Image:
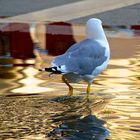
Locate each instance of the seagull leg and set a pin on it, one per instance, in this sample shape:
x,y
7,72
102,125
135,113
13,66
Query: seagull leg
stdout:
x,y
70,93
88,91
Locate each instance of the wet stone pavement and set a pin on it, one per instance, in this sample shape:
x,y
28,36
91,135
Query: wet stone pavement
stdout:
x,y
55,118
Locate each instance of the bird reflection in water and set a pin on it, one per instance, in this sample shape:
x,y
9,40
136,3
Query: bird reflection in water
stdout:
x,y
79,122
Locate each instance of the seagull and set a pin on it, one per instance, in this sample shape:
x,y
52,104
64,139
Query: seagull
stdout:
x,y
84,60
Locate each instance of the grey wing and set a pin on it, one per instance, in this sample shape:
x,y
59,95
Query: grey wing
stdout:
x,y
62,59
82,58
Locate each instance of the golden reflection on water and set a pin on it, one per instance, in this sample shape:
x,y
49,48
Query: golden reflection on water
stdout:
x,y
30,83
43,113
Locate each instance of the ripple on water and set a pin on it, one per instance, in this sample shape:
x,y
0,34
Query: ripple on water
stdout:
x,y
29,108
67,118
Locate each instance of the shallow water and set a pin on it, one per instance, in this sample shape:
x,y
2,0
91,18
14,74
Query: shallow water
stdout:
x,y
33,105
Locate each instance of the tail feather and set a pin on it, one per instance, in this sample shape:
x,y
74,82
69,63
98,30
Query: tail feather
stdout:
x,y
53,70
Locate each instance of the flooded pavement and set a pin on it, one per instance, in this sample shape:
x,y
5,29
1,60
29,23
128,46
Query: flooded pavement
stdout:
x,y
40,117
33,105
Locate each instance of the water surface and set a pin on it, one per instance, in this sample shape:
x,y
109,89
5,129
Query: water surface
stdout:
x,y
34,105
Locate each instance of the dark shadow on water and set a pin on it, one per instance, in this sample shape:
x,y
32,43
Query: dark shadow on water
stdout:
x,y
86,128
75,125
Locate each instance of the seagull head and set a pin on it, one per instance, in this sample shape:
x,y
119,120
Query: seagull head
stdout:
x,y
94,28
